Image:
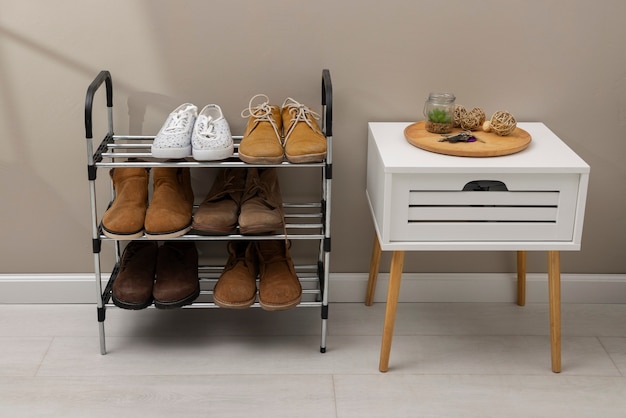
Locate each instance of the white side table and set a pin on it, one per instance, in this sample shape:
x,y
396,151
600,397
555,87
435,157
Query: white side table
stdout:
x,y
533,200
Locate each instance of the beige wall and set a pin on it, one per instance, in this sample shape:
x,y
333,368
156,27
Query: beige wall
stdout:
x,y
561,62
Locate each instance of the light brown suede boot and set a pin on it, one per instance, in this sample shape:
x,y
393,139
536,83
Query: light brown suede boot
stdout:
x,y
279,287
169,213
125,217
236,287
132,288
262,142
303,138
262,203
177,282
219,212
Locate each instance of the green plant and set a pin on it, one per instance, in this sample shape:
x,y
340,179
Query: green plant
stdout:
x,y
439,116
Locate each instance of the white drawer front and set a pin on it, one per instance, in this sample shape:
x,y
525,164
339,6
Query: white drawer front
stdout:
x,y
518,207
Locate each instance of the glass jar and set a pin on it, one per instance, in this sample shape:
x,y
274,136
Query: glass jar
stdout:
x,y
439,113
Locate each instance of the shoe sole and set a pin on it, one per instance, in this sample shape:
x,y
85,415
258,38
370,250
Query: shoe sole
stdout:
x,y
167,235
309,158
260,229
171,152
261,160
280,307
214,230
232,305
122,236
130,305
212,155
178,303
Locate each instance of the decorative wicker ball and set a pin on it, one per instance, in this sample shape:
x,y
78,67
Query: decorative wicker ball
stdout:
x,y
501,123
459,113
473,119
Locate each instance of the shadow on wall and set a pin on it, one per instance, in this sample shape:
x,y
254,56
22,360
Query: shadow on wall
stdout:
x,y
48,217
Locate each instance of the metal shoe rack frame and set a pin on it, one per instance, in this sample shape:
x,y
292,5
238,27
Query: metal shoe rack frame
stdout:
x,y
304,221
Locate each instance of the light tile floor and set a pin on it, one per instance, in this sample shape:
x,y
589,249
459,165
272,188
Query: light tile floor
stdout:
x,y
447,360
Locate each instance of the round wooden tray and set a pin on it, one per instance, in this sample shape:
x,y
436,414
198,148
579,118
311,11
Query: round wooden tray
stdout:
x,y
493,145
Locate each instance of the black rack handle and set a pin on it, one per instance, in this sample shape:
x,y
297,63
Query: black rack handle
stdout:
x,y
327,100
103,77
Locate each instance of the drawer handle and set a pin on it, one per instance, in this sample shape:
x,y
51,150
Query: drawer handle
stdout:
x,y
485,186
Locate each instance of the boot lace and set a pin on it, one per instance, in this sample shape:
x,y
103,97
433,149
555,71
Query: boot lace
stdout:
x,y
299,113
261,113
259,189
128,254
227,189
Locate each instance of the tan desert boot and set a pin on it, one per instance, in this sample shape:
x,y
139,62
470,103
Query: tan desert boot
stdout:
x,y
125,217
262,142
169,213
303,138
262,203
279,287
236,287
219,212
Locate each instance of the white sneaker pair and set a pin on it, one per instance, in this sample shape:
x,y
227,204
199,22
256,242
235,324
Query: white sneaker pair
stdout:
x,y
205,136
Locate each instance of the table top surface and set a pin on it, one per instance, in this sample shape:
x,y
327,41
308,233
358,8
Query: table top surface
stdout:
x,y
546,153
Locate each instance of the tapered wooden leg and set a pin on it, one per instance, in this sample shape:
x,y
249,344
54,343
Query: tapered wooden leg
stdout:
x,y
521,278
554,294
395,277
374,266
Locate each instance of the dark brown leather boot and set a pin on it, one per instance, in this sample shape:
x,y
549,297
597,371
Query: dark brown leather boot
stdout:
x,y
125,217
262,203
219,212
279,287
236,287
177,282
169,213
132,288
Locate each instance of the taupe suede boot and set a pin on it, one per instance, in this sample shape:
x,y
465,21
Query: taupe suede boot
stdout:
x,y
169,213
219,212
236,287
177,282
304,140
279,287
262,203
262,138
132,288
124,219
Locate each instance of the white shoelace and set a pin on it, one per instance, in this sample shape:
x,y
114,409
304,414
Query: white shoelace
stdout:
x,y
209,130
179,120
261,113
299,113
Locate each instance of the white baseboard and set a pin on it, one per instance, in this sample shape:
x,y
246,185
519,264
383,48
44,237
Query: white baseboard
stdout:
x,y
350,287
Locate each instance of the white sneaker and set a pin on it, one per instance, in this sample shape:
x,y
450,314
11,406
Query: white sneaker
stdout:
x,y
211,138
174,138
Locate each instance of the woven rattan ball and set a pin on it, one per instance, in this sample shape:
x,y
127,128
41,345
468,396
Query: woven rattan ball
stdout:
x,y
501,123
473,119
459,113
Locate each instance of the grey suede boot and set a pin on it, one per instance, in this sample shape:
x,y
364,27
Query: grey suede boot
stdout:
x,y
219,212
262,203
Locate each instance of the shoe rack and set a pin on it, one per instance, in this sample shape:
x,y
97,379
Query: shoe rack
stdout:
x,y
308,221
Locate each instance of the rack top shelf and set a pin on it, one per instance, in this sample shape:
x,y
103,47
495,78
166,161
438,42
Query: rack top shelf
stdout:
x,y
134,151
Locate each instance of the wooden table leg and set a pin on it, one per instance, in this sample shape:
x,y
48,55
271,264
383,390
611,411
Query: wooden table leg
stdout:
x,y
374,266
554,294
395,277
521,278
